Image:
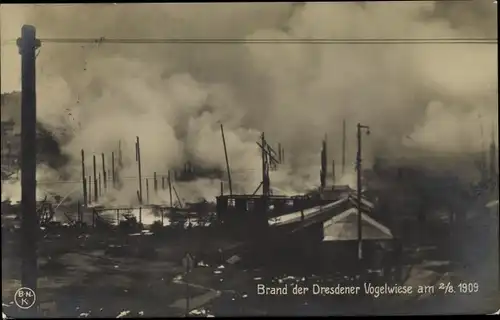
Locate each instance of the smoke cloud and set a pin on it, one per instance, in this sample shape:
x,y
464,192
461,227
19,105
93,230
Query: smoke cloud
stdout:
x,y
174,96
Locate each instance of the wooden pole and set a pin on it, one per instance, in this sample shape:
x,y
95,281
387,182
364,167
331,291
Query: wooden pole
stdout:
x,y
113,177
84,180
333,172
265,168
343,146
90,189
139,169
170,188
227,160
29,220
147,191
104,174
155,183
279,153
96,189
100,184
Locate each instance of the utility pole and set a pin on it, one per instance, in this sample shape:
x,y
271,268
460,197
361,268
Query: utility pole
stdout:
x,y
104,175
138,159
227,161
155,182
333,173
29,269
113,169
324,170
265,168
279,153
359,186
170,188
343,146
84,180
96,188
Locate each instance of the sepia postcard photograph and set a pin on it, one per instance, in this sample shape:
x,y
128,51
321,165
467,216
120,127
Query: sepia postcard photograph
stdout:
x,y
249,159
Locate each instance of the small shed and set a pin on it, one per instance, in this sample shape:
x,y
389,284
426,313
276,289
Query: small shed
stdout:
x,y
340,240
344,227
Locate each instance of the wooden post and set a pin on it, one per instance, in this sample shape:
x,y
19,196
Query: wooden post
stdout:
x,y
100,188
113,169
96,189
155,183
84,180
90,189
162,217
163,182
265,168
104,174
343,146
333,172
139,169
227,161
29,270
170,188
279,152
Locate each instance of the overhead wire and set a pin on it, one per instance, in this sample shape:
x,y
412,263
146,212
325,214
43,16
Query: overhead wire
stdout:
x,y
387,41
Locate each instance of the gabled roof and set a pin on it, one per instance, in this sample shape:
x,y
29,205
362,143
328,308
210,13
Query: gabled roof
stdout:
x,y
344,227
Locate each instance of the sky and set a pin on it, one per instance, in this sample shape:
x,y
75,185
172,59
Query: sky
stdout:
x,y
435,97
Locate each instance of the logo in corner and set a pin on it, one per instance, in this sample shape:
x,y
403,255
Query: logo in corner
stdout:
x,y
25,298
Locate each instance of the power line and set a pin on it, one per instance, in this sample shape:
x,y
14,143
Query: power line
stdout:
x,y
103,40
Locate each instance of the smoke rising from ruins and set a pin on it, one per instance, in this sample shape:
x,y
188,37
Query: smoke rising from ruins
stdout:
x,y
174,96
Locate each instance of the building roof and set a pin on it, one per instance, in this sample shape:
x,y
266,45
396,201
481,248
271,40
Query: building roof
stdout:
x,y
344,227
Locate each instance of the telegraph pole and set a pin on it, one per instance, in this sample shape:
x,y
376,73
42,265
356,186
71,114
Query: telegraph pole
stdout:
x,y
27,47
343,146
360,128
227,161
265,168
139,168
84,180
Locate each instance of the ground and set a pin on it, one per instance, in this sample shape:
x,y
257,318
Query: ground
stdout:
x,y
82,278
